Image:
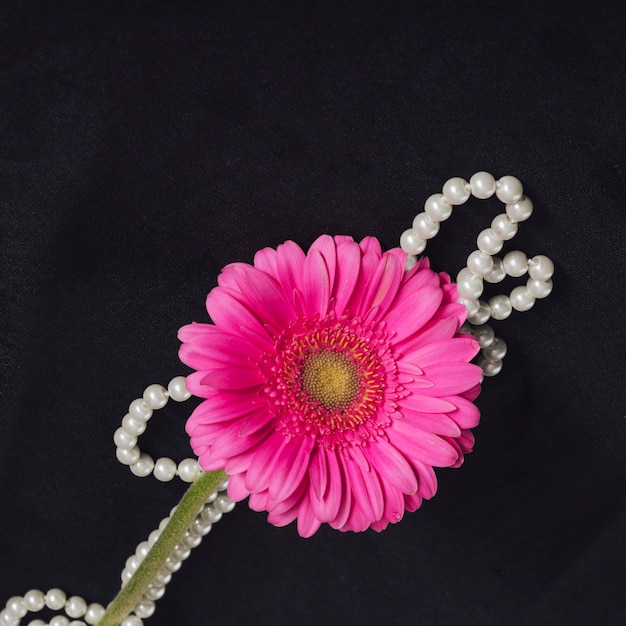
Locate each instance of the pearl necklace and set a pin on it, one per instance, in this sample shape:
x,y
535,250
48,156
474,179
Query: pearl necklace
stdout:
x,y
481,263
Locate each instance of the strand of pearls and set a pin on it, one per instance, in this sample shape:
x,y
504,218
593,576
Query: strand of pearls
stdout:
x,y
482,264
134,424
35,600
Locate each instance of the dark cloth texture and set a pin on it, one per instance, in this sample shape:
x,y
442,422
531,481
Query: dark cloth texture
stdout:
x,y
144,146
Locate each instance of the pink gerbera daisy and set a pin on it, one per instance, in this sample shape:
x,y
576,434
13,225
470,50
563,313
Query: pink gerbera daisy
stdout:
x,y
333,382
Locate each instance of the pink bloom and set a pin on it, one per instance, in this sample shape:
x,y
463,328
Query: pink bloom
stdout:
x,y
333,382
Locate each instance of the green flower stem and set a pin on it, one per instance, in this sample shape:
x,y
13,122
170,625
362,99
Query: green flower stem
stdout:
x,y
189,506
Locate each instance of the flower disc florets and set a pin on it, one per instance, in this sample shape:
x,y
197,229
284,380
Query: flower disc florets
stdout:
x,y
333,382
328,379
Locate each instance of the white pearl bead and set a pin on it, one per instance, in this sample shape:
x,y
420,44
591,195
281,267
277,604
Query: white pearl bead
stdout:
x,y
540,267
456,190
209,514
133,426
488,243
8,619
437,208
123,439
59,620
189,470
539,288
172,564
424,226
16,605
143,466
153,537
497,273
411,243
155,593
192,541
223,503
470,286
94,613
140,410
509,189
177,388
222,486
35,600
521,210
411,260
496,351
484,336
491,368
471,304
163,577
515,263
145,608
479,263
131,620
483,314
500,307
132,563
76,622
37,622
164,469
127,457
521,299
182,552
483,185
142,550
155,396
55,599
200,527
503,228
76,606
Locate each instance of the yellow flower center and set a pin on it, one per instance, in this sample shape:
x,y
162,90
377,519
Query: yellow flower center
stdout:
x,y
331,378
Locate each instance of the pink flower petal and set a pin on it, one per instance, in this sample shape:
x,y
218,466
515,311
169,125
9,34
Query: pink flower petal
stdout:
x,y
392,465
421,445
371,244
394,503
406,319
426,404
451,378
232,378
426,478
382,285
262,465
347,273
290,468
237,487
462,349
230,315
315,285
308,524
437,423
327,505
290,265
326,246
194,330
435,330
266,260
467,414
366,488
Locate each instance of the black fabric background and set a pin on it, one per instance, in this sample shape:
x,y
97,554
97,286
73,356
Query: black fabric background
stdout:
x,y
143,146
